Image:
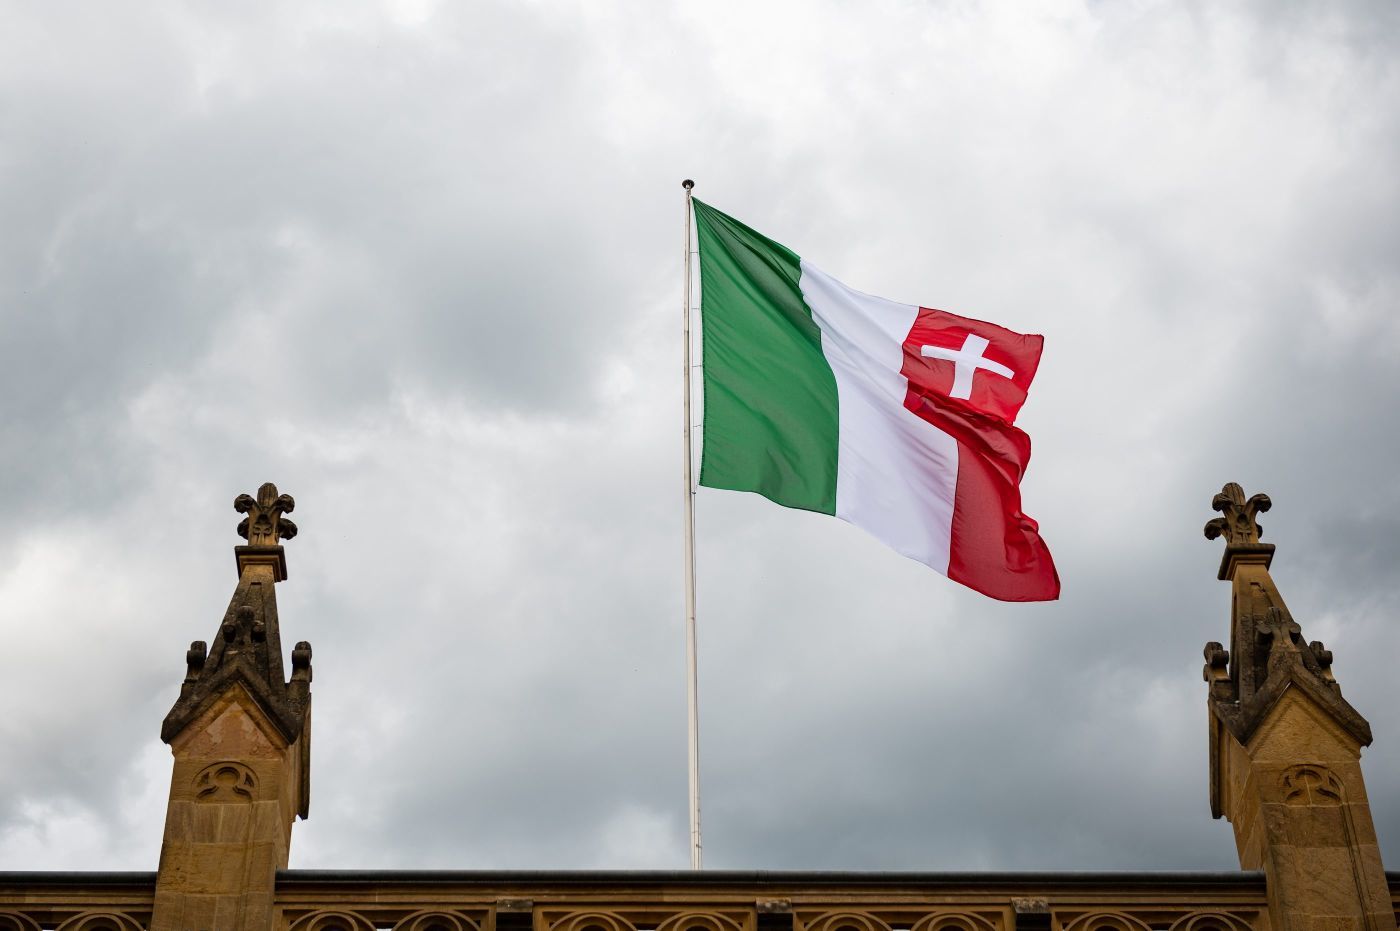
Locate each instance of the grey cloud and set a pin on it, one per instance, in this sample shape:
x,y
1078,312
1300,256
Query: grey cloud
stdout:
x,y
426,278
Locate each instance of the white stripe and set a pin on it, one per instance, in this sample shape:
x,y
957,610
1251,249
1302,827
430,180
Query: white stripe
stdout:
x,y
896,474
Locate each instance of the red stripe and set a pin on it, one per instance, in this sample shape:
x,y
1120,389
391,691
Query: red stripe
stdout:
x,y
996,549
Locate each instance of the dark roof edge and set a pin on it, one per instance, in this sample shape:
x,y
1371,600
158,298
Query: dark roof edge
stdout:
x,y
76,878
707,877
1235,878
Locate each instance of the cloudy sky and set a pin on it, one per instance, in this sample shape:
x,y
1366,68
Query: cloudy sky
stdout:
x,y
419,263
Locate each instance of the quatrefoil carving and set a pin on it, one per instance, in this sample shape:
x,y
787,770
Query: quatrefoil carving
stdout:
x,y
226,782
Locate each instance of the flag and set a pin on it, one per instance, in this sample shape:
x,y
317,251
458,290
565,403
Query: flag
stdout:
x,y
896,418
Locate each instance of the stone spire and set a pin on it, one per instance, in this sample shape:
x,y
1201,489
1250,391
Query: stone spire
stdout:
x,y
1267,652
240,734
248,646
1285,748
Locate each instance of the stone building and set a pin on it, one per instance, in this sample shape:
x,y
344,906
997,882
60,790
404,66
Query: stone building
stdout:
x,y
1285,770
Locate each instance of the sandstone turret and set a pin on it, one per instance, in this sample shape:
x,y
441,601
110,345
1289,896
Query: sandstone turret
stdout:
x,y
1285,748
241,737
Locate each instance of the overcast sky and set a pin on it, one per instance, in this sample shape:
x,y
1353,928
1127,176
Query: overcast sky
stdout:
x,y
419,264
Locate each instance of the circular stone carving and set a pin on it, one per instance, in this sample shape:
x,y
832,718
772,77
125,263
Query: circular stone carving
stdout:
x,y
592,921
436,921
953,921
332,921
1310,784
229,781
1209,921
100,921
847,921
14,921
1107,921
699,921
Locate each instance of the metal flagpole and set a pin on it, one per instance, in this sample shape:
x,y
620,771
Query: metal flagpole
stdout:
x,y
691,677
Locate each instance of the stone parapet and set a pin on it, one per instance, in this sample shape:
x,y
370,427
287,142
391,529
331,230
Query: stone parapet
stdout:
x,y
747,901
118,901
361,900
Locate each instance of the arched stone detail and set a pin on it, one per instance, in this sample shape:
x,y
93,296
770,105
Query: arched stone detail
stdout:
x,y
227,781
14,921
332,921
954,921
1210,921
1311,784
1107,921
699,921
100,921
592,921
847,921
436,921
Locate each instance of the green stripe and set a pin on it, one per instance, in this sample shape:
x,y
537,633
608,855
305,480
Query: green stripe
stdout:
x,y
770,397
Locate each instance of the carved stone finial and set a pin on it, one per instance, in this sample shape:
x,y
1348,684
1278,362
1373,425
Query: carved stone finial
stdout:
x,y
265,525
1217,672
230,625
1217,660
1321,654
301,662
194,660
301,655
1239,525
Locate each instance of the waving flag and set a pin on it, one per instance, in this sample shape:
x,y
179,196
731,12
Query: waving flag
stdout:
x,y
896,418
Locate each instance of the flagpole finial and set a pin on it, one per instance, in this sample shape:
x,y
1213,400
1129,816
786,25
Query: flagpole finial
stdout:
x,y
687,184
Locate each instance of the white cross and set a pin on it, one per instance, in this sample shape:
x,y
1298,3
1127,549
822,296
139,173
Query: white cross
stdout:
x,y
966,361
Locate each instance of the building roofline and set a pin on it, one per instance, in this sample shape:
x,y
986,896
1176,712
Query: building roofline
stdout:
x,y
771,878
1241,878
11,878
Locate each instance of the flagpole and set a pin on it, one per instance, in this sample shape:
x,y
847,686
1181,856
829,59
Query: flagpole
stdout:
x,y
691,675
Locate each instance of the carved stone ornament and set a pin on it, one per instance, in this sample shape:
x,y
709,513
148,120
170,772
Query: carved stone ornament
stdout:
x,y
265,525
226,782
1107,921
593,921
847,921
967,921
195,658
100,921
1239,525
1310,784
436,921
1217,668
14,921
301,662
1210,921
333,921
1268,655
699,921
